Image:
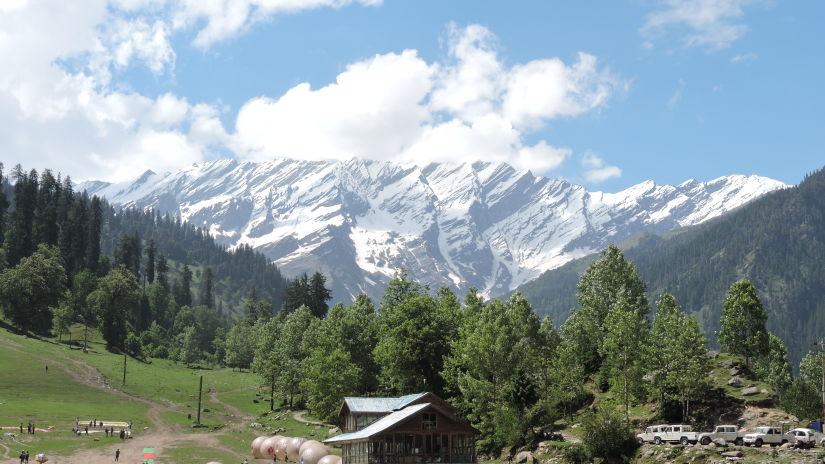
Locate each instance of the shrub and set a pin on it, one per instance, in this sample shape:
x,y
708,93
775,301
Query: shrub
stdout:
x,y
575,454
606,435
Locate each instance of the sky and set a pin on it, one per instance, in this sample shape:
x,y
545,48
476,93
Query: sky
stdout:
x,y
606,94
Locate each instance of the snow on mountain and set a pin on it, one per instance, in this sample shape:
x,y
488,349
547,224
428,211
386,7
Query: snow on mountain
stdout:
x,y
483,225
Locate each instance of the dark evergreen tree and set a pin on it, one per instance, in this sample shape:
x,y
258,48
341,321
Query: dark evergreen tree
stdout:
x,y
183,287
150,261
319,295
162,267
45,227
128,253
297,294
4,204
93,234
19,240
207,298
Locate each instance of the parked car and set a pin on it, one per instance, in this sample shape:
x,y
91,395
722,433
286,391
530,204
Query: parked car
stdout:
x,y
765,435
651,434
659,434
680,433
729,433
802,438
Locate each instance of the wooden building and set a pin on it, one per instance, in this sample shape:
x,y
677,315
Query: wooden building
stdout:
x,y
419,428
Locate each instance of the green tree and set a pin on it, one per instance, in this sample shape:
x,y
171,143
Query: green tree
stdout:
x,y
240,347
775,367
415,330
4,205
265,362
354,329
31,288
329,376
676,356
189,349
291,349
802,399
743,329
114,301
63,316
625,336
496,345
606,280
151,251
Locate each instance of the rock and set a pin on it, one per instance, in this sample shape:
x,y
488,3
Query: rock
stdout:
x,y
575,426
254,424
749,391
255,400
736,382
334,430
312,433
720,443
734,371
523,456
713,354
732,454
784,446
728,363
205,410
764,391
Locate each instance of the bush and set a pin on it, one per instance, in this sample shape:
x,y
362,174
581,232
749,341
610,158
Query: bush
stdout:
x,y
160,352
606,435
133,346
575,454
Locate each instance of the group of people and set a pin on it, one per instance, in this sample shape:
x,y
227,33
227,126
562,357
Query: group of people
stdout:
x,y
24,457
109,431
29,428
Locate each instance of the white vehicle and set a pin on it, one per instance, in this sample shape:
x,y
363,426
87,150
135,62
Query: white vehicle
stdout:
x,y
680,433
729,433
802,437
650,434
765,436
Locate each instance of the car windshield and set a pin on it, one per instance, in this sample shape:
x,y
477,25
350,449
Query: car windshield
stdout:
x,y
762,430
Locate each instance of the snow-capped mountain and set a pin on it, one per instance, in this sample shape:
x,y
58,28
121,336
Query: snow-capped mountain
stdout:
x,y
482,225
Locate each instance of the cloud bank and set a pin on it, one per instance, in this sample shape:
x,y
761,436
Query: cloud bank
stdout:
x,y
61,107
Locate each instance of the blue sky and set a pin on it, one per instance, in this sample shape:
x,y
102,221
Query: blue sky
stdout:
x,y
666,90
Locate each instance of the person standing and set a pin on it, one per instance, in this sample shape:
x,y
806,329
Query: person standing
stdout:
x,y
21,428
22,454
26,460
117,454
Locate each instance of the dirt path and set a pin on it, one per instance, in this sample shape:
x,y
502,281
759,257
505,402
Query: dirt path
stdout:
x,y
299,416
159,435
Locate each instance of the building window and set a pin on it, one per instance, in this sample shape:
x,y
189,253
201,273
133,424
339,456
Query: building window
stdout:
x,y
429,421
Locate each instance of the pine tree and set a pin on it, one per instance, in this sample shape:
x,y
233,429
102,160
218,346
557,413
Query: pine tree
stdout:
x,y
4,204
150,261
184,292
95,214
207,298
744,322
319,295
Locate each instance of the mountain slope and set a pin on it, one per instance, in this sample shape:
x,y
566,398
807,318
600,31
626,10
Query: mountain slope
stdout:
x,y
461,225
777,242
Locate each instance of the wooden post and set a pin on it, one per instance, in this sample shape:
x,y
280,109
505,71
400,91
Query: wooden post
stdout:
x,y
200,394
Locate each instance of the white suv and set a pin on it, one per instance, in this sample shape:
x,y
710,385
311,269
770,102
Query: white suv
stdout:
x,y
729,433
651,434
668,433
765,435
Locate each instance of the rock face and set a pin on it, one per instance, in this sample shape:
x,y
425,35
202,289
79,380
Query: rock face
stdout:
x,y
483,225
749,391
523,456
736,382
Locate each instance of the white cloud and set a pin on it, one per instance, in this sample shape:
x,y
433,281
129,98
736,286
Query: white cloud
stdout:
x,y
399,107
744,58
596,171
61,107
227,18
709,23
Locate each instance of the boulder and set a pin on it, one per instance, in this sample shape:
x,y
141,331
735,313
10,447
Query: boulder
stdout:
x,y
720,443
749,391
713,354
734,371
728,363
764,391
732,454
736,382
523,456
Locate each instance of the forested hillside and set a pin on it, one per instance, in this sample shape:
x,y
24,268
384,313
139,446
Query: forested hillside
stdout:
x,y
777,242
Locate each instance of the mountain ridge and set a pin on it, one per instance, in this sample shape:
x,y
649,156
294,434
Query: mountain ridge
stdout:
x,y
485,225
